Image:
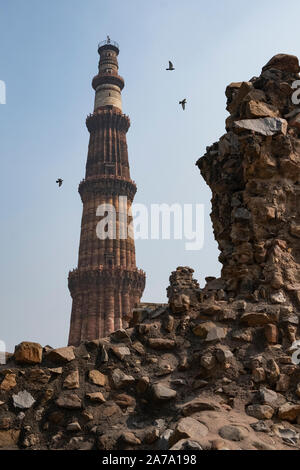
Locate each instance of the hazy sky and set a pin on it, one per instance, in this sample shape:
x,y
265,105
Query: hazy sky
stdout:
x,y
48,58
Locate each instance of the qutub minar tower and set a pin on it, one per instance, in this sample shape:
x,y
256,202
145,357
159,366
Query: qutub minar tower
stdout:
x,y
107,284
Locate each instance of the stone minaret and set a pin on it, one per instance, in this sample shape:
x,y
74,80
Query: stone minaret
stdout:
x,y
106,285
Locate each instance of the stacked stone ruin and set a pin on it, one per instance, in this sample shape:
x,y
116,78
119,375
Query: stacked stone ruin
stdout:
x,y
216,368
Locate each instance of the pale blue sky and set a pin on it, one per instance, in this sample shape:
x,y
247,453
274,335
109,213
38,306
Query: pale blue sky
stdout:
x,y
48,58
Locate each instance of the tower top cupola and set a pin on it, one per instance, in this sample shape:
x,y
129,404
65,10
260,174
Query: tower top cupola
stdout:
x,y
108,44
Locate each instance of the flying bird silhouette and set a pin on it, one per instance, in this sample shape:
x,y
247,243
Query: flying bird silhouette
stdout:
x,y
171,67
183,103
59,181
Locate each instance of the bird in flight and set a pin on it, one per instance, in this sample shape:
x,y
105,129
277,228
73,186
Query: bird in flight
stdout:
x,y
59,181
171,67
183,103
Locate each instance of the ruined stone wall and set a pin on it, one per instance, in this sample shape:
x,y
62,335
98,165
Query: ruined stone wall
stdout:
x,y
254,174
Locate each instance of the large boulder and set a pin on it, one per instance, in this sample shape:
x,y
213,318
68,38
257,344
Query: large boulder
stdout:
x,y
284,62
28,353
188,428
61,355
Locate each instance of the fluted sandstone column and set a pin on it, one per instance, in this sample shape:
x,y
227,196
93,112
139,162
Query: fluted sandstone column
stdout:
x,y
106,285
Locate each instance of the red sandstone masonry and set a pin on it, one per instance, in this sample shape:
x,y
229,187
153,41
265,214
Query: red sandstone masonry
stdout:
x,y
106,285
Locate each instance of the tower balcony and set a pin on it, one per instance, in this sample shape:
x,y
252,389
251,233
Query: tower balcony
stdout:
x,y
108,116
112,78
108,185
84,278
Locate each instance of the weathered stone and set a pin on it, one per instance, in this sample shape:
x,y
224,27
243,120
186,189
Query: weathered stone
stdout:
x,y
61,354
199,404
74,426
223,354
180,303
188,428
39,414
124,400
163,443
278,297
5,423
288,435
47,395
56,370
139,348
38,376
121,352
209,331
219,444
69,400
272,371
208,361
129,438
96,397
161,343
285,62
186,444
235,93
120,336
283,383
260,411
110,410
120,379
243,335
9,439
72,380
168,323
151,436
255,109
9,382
233,432
264,126
23,400
260,426
28,353
138,315
294,228
142,385
210,309
179,382
87,415
96,377
271,333
31,440
295,122
271,398
163,393
255,318
289,412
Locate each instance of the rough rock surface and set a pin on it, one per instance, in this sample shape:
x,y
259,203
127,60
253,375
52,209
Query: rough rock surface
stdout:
x,y
213,369
253,172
